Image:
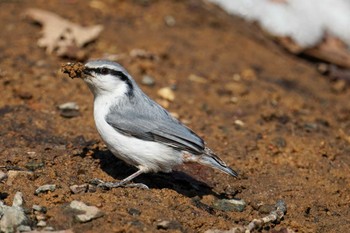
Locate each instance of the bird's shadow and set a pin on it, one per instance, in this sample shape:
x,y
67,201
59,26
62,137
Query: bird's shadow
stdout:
x,y
176,180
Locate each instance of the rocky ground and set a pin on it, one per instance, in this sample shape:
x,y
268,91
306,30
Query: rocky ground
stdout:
x,y
270,115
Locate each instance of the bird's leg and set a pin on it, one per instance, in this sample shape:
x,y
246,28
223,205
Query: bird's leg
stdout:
x,y
123,183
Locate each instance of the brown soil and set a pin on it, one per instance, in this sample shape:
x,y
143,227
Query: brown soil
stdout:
x,y
74,70
284,127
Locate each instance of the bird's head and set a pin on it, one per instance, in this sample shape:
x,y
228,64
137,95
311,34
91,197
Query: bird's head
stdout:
x,y
105,78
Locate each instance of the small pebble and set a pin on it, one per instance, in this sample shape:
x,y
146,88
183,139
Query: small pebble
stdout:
x,y
52,229
34,165
163,103
279,142
234,100
39,208
323,68
249,75
24,95
175,115
235,88
18,199
79,188
23,228
229,205
41,223
136,223
310,126
12,216
69,109
69,105
41,63
40,217
134,212
237,77
45,188
31,153
13,174
169,20
166,93
339,86
90,212
166,225
148,80
266,209
140,53
173,86
3,176
99,5
239,123
143,2
197,79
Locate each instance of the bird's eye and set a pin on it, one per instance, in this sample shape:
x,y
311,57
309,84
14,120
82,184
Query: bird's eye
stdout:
x,y
104,71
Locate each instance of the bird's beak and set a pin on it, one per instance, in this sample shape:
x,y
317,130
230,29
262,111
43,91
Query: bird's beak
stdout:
x,y
86,72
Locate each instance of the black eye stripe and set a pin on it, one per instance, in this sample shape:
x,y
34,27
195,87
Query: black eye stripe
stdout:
x,y
102,70
105,71
125,79
119,74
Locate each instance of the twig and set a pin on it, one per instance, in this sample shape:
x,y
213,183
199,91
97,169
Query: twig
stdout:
x,y
274,216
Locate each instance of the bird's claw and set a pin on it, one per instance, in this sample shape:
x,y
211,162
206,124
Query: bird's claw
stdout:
x,y
136,185
109,185
96,182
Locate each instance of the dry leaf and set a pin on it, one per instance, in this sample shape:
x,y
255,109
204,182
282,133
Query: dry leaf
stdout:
x,y
61,35
166,93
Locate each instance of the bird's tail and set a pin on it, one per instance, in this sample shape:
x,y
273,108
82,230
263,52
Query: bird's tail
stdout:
x,y
212,160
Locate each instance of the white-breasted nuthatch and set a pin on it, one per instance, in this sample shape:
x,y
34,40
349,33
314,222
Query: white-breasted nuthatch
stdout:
x,y
139,131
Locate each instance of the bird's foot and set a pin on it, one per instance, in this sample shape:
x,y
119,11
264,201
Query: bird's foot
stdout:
x,y
109,185
136,185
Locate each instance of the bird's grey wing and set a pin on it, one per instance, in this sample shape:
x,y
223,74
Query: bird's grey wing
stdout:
x,y
155,125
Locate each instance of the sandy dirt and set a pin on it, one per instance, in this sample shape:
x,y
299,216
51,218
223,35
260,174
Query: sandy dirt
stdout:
x,y
270,115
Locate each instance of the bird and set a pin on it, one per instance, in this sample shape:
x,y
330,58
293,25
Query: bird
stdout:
x,y
138,130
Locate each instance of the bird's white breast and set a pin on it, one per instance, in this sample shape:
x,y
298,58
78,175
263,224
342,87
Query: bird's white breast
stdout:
x,y
146,155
